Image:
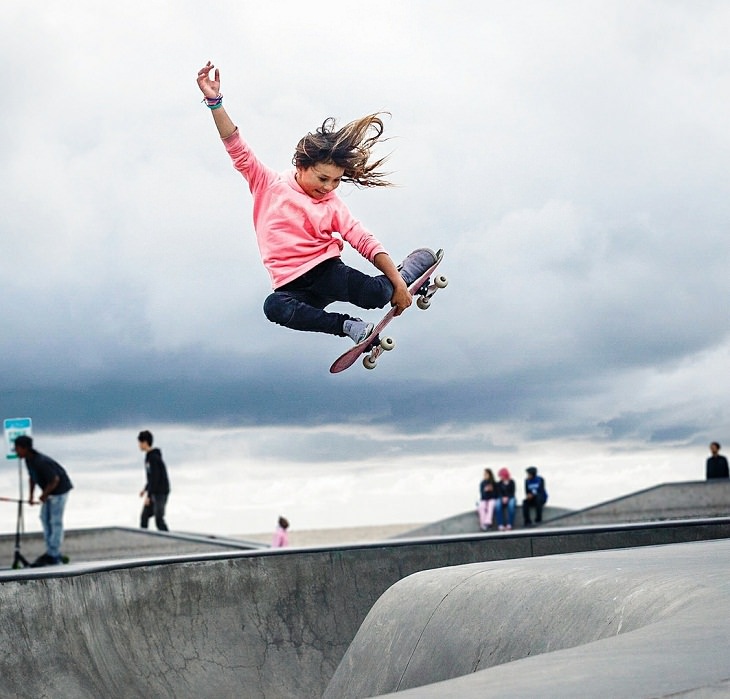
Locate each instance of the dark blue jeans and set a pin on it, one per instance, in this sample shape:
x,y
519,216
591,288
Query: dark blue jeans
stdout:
x,y
156,508
300,304
52,521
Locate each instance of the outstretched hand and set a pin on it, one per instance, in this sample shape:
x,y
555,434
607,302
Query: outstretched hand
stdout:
x,y
209,88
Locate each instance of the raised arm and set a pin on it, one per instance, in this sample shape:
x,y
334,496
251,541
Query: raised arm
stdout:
x,y
211,91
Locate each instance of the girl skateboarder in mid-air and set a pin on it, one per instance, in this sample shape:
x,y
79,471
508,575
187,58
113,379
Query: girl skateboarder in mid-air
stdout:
x,y
296,214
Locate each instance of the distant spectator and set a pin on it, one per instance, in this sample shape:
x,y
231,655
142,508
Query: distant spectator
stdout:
x,y
487,499
505,503
157,488
535,496
717,463
55,486
281,535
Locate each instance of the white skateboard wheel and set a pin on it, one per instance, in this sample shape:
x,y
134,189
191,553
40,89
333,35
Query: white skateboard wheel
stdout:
x,y
369,363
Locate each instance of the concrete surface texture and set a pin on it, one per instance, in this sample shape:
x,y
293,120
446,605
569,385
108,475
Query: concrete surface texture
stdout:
x,y
651,622
242,624
666,501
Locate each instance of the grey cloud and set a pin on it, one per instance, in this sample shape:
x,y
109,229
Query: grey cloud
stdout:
x,y
572,166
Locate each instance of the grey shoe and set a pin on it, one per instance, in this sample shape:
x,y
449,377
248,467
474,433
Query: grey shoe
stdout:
x,y
416,264
357,329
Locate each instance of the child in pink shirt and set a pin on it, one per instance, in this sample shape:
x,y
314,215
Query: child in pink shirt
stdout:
x,y
281,535
297,214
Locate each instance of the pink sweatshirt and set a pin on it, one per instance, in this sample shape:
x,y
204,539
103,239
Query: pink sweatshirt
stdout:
x,y
281,538
295,232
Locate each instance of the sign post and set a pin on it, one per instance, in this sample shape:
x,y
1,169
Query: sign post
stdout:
x,y
15,427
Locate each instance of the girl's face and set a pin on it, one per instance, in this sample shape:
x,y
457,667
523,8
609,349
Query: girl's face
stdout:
x,y
320,179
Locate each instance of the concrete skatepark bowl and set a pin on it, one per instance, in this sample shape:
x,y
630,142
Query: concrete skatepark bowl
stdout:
x,y
649,620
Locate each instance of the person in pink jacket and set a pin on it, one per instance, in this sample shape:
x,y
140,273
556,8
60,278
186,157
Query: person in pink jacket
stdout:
x,y
281,535
301,223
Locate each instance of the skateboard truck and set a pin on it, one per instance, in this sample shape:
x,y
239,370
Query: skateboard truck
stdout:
x,y
379,346
425,294
375,344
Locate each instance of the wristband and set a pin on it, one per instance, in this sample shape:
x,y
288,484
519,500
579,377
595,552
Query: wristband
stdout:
x,y
213,102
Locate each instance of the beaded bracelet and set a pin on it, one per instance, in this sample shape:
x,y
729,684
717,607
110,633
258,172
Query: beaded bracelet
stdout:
x,y
213,102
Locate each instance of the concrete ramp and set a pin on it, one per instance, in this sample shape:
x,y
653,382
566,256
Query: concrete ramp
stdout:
x,y
236,627
277,623
667,501
650,622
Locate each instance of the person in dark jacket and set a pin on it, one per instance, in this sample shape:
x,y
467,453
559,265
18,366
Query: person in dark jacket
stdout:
x,y
157,488
535,496
717,464
55,485
487,500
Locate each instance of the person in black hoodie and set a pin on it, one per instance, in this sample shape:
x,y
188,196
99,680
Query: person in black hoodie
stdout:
x,y
157,487
717,463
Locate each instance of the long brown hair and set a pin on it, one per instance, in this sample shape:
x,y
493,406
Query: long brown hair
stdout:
x,y
348,148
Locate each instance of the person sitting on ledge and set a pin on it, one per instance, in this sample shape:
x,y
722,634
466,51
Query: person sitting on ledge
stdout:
x,y
535,496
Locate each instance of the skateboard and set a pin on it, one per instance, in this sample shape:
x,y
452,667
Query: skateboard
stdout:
x,y
374,345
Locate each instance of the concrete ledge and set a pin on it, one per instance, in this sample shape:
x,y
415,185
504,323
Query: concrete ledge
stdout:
x,y
649,622
104,543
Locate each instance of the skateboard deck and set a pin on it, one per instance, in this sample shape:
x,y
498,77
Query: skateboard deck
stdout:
x,y
373,345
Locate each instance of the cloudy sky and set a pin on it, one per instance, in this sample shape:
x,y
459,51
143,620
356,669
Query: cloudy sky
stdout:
x,y
571,158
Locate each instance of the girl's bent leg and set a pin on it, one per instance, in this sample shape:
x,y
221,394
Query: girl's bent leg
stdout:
x,y
300,304
286,309
338,282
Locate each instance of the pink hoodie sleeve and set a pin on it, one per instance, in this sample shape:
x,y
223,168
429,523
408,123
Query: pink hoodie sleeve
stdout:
x,y
256,173
357,235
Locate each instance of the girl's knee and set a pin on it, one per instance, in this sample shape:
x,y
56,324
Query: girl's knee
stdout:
x,y
376,293
278,309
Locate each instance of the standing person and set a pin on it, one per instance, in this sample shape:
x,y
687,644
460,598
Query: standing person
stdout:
x,y
506,503
535,496
717,463
55,486
487,498
301,223
281,535
157,487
